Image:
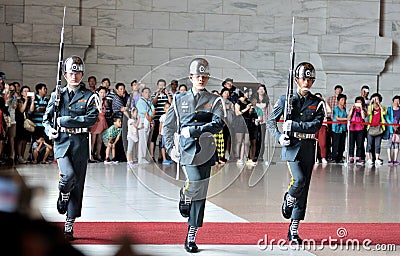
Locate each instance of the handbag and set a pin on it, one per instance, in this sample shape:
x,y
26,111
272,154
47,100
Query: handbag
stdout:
x,y
8,121
375,130
28,124
395,138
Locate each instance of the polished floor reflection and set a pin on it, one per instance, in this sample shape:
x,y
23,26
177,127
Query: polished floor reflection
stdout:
x,y
149,193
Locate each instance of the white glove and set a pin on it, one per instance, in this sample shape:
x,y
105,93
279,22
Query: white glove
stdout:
x,y
284,140
185,132
52,134
287,126
175,155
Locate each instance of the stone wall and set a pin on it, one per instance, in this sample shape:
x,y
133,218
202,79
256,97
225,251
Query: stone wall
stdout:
x,y
349,42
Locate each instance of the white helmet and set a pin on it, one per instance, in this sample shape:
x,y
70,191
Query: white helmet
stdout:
x,y
74,64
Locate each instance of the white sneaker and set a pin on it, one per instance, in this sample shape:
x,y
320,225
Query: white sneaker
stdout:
x,y
324,161
378,162
21,160
240,162
369,162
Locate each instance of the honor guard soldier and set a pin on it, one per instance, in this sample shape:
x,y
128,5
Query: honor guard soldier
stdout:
x,y
195,116
298,144
78,110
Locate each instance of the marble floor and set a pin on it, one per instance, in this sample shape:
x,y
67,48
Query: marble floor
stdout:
x,y
338,193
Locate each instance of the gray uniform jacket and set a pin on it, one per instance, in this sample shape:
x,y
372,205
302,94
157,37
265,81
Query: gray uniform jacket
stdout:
x,y
81,112
306,119
204,116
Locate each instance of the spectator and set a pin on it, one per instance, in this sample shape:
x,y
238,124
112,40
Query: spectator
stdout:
x,y
333,100
165,161
183,88
118,108
321,135
393,118
376,116
262,102
92,82
119,100
233,96
11,102
41,151
17,86
132,136
253,126
38,109
242,107
159,98
132,99
109,98
110,138
146,112
229,125
364,94
174,86
2,83
99,127
339,129
23,136
134,96
357,115
3,127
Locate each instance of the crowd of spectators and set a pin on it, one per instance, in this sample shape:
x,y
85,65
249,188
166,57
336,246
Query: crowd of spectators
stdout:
x,y
362,125
129,127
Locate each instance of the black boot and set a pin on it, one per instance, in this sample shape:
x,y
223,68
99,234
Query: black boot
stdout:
x,y
190,244
293,234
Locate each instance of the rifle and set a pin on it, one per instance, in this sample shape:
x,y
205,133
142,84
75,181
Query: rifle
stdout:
x,y
287,115
59,75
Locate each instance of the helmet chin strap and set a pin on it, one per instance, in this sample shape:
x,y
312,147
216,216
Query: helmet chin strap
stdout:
x,y
303,89
199,87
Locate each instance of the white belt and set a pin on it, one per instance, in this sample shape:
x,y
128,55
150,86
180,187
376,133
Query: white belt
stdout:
x,y
73,130
299,135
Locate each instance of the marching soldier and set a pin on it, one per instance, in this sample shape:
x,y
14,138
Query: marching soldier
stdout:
x,y
196,115
298,144
78,110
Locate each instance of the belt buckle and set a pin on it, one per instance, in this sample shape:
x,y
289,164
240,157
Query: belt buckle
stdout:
x,y
71,130
301,135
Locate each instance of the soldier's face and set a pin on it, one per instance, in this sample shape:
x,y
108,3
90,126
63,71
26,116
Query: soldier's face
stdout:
x,y
304,84
199,81
74,79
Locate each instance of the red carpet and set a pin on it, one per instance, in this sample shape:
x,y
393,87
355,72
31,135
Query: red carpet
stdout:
x,y
232,233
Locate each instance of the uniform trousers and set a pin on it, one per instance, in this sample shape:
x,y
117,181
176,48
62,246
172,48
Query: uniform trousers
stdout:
x,y
196,186
301,169
72,180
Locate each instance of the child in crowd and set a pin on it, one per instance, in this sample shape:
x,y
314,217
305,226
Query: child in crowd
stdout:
x,y
110,138
161,132
339,129
132,136
41,151
357,115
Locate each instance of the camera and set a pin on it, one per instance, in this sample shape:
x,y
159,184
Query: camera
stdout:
x,y
30,94
162,90
359,105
